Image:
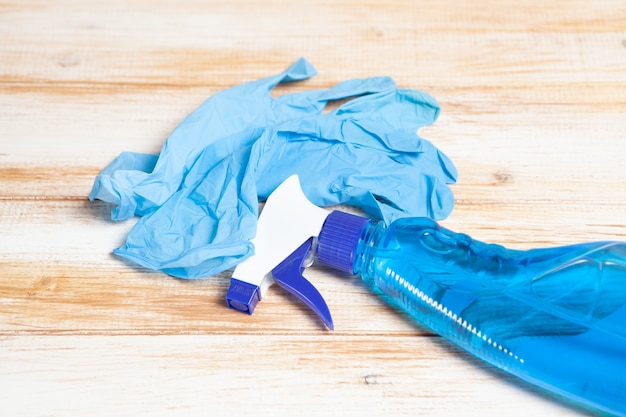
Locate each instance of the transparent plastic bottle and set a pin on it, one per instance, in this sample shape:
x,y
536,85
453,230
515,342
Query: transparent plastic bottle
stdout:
x,y
554,317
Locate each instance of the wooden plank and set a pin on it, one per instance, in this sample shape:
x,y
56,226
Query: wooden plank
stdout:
x,y
512,148
61,278
196,42
71,298
263,376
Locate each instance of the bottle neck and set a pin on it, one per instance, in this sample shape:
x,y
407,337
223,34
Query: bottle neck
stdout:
x,y
371,237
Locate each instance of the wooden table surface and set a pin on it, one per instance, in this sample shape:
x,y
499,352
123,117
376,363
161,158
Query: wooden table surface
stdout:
x,y
533,113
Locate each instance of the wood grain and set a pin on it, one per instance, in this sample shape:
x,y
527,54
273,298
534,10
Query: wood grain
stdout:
x,y
533,113
201,375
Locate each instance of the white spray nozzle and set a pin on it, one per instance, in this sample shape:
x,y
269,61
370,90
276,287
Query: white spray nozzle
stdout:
x,y
288,219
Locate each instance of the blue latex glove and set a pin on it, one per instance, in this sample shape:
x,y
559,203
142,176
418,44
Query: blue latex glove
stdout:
x,y
199,200
137,191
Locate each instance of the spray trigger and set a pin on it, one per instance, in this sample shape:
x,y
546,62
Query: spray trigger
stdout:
x,y
288,275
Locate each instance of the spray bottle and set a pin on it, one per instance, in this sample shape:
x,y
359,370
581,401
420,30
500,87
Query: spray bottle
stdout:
x,y
554,317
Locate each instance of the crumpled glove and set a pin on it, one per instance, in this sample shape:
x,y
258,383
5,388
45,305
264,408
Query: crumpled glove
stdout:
x,y
199,198
138,190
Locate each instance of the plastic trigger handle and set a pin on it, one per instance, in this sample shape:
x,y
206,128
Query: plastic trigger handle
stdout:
x,y
288,274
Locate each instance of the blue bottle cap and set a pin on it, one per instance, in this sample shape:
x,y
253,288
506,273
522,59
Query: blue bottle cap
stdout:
x,y
338,240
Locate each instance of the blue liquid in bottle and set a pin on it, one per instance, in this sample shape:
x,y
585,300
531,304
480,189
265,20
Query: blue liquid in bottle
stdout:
x,y
554,317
